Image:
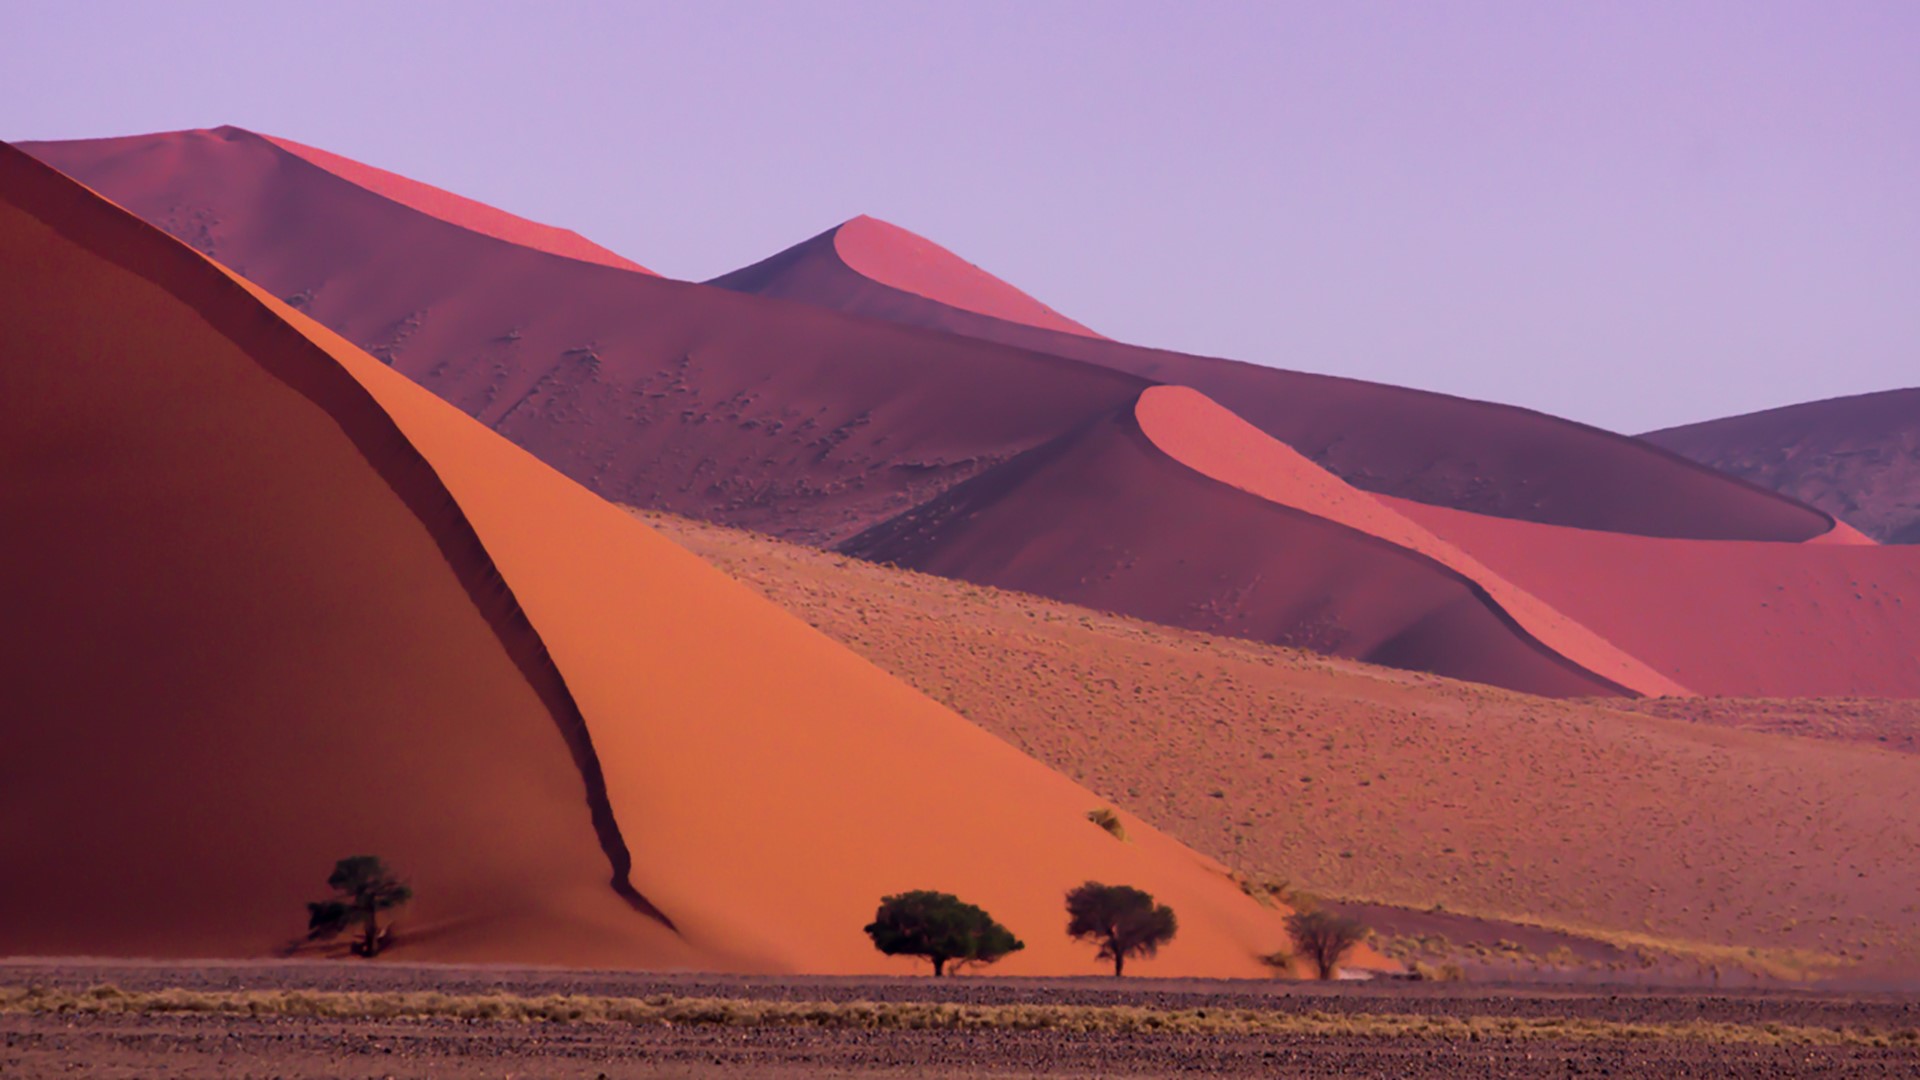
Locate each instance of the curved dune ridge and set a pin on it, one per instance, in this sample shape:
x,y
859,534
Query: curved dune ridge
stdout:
x,y
813,427
876,269
1856,457
455,209
1471,455
1107,518
1199,433
1722,617
784,418
289,606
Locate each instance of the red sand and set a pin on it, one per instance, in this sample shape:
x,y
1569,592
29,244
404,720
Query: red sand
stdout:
x,y
1105,517
288,606
1198,433
456,209
1721,617
891,262
1855,457
1491,459
778,417
811,426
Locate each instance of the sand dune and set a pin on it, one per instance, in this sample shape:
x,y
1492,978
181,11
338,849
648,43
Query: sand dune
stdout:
x,y
288,606
841,267
1472,455
1721,617
1857,458
779,417
1110,517
1407,789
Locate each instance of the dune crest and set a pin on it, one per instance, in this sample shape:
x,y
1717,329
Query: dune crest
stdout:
x,y
1211,440
292,607
1107,518
1723,617
1855,457
450,208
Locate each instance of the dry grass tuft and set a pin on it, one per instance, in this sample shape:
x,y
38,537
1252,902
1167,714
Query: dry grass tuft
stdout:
x,y
1108,819
667,1009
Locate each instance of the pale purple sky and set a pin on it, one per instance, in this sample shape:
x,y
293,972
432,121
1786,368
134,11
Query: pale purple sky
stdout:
x,y
1631,214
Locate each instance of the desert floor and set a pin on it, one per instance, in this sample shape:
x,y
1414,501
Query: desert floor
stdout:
x,y
1628,1032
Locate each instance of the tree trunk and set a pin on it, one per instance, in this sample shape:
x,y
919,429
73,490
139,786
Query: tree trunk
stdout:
x,y
939,966
373,933
1119,964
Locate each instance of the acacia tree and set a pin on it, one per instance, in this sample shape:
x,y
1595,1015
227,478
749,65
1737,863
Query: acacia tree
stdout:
x,y
363,888
1325,938
941,927
1122,919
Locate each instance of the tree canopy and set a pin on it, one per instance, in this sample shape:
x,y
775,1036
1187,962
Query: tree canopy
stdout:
x,y
940,927
1122,919
363,888
1325,938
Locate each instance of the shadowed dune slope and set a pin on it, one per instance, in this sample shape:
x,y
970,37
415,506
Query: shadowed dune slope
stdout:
x,y
289,606
461,211
1107,518
1721,617
1472,455
780,417
1857,458
1365,782
1200,434
841,268
254,635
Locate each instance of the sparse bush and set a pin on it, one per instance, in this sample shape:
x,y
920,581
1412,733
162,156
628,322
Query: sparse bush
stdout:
x,y
363,888
940,927
1109,820
1122,919
1447,972
1325,938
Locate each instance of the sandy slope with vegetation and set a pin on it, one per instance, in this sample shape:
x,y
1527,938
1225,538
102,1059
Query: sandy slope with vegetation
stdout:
x,y
1736,848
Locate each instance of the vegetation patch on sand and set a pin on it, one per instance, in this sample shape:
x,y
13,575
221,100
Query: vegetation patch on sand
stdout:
x,y
667,1009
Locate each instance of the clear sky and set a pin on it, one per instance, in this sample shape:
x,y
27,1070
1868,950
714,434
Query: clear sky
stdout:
x,y
1631,214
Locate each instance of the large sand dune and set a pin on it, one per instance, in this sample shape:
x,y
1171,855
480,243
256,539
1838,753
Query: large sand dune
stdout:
x,y
780,417
1720,617
1165,511
1857,458
1737,848
1472,455
282,605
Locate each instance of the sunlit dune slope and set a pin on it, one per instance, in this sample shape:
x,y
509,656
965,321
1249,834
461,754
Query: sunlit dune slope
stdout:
x,y
780,417
459,210
1490,459
1721,617
874,268
288,606
1367,782
1111,518
1855,457
253,635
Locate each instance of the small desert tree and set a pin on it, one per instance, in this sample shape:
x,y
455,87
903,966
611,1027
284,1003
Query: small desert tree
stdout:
x,y
1122,919
1325,938
941,927
363,888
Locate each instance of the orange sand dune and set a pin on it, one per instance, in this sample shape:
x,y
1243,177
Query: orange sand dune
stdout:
x,y
1856,457
286,605
1472,455
1721,617
780,417
1109,517
1739,847
902,263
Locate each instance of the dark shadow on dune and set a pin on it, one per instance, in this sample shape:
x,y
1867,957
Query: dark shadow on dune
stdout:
x,y
290,357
